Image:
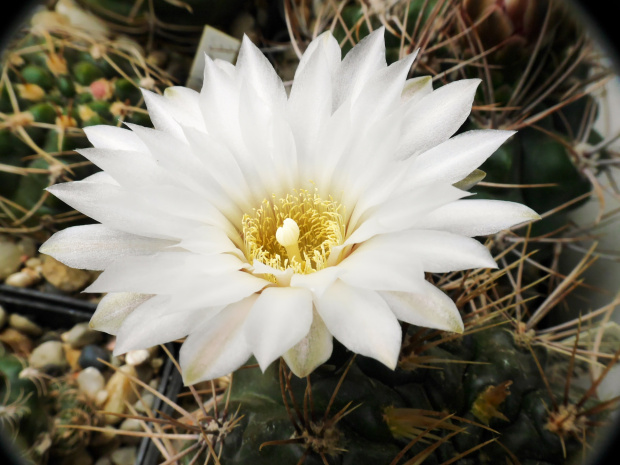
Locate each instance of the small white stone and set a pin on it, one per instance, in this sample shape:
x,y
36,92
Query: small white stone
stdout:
x,y
49,353
90,382
124,456
24,325
10,258
147,402
131,424
34,263
101,397
137,357
20,279
120,392
81,335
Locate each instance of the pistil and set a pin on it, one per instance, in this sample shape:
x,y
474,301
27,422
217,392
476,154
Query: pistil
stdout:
x,y
287,236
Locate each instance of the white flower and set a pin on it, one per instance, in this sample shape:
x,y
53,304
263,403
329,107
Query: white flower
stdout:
x,y
256,223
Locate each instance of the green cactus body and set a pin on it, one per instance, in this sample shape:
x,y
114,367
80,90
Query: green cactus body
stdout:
x,y
379,411
55,86
177,24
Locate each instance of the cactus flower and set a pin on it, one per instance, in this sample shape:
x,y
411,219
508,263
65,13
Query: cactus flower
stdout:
x,y
258,223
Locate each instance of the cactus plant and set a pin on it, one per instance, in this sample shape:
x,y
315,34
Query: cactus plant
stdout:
x,y
177,24
55,80
504,391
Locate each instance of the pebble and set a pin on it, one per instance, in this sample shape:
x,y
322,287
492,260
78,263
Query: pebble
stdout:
x,y
18,342
81,335
3,317
119,389
103,461
101,397
90,382
124,456
49,335
48,354
33,263
23,324
23,279
90,354
137,357
72,355
63,277
146,404
131,425
10,258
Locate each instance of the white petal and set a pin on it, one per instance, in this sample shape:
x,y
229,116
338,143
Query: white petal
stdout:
x,y
309,107
283,277
114,308
128,168
382,93
362,61
164,272
362,321
160,114
457,157
226,66
477,217
436,117
255,119
400,212
111,137
120,209
225,289
100,178
428,307
256,69
317,282
183,104
379,265
219,104
333,144
367,159
439,251
156,322
279,319
94,247
188,207
207,240
224,173
174,156
415,89
330,47
217,347
312,351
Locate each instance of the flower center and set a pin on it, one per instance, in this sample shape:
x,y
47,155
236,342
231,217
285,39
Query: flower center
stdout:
x,y
297,231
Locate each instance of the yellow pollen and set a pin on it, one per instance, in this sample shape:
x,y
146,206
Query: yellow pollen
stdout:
x,y
297,231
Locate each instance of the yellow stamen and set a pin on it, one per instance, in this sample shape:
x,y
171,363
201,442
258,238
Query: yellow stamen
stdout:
x,y
297,231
